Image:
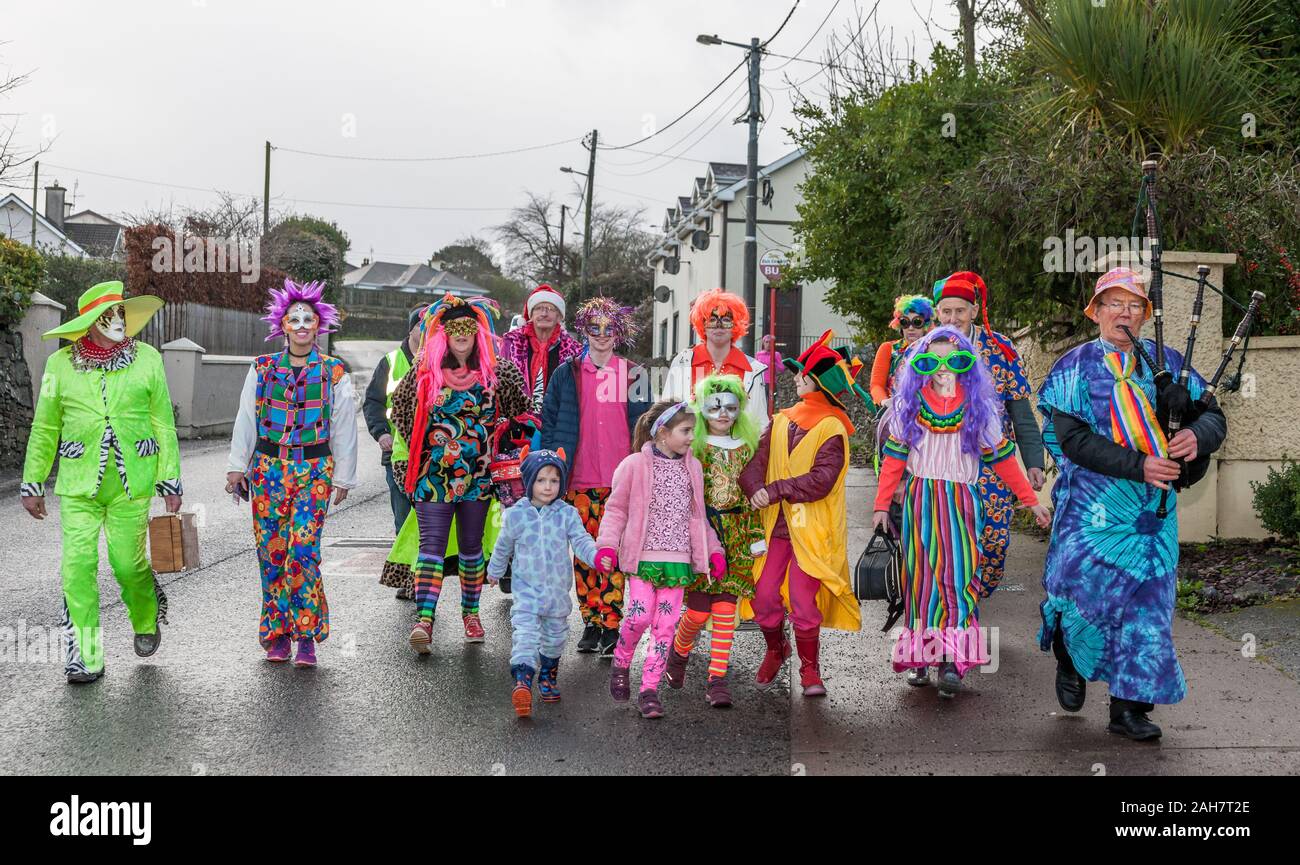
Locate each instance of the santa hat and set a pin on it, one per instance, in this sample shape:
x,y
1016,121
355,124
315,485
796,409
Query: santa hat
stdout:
x,y
968,286
545,294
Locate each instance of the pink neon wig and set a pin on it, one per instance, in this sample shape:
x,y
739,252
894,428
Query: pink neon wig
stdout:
x,y
293,292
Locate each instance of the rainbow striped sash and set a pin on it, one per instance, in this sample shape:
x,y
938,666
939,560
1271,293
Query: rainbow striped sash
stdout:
x,y
1132,420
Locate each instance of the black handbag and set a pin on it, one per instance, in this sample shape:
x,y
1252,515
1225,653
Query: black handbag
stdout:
x,y
879,575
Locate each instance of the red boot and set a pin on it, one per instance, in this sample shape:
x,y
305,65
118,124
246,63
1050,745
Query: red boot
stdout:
x,y
778,649
810,675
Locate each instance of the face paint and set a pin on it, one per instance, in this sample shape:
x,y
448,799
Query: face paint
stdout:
x,y
112,324
721,406
300,317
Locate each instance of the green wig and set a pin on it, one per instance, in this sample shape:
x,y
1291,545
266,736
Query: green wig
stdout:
x,y
744,428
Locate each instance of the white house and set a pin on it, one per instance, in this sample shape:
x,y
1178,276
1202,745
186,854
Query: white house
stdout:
x,y
703,247
16,224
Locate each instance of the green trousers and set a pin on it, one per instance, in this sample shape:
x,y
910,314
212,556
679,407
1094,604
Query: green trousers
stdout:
x,y
125,523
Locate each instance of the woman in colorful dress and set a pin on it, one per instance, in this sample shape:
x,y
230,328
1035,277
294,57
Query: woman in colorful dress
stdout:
x,y
946,426
725,440
447,409
294,442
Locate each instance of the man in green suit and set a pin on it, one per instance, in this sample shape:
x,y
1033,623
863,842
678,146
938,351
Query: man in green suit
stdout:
x,y
105,410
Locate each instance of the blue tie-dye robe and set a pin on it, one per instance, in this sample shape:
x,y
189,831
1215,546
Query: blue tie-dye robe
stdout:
x,y
1111,571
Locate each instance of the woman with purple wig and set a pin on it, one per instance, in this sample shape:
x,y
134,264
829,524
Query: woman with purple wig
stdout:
x,y
945,424
294,442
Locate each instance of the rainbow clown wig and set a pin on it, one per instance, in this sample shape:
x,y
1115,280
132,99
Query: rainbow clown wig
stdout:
x,y
481,311
622,320
744,429
911,304
721,303
981,425
293,292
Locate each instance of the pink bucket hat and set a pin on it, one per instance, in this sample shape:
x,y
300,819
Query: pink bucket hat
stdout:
x,y
1119,277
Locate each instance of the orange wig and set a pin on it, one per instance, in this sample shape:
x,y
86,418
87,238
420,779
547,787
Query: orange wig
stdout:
x,y
723,303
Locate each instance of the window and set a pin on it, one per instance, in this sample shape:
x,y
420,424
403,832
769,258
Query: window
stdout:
x,y
663,338
676,315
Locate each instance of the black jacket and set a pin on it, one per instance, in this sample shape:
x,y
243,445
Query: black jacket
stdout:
x,y
1099,454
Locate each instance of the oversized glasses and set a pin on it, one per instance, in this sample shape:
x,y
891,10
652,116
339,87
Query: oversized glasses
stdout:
x,y
918,322
928,363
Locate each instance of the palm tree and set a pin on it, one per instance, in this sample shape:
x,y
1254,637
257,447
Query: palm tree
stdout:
x,y
1148,75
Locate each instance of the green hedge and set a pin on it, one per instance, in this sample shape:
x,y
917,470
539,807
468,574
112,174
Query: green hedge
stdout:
x,y
21,269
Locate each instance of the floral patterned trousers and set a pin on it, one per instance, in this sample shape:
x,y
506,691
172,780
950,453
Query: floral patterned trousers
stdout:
x,y
290,500
999,505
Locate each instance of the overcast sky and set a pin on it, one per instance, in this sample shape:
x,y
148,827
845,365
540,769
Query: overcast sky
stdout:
x,y
183,93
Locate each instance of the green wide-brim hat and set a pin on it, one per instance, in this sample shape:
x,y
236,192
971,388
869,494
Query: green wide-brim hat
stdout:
x,y
92,303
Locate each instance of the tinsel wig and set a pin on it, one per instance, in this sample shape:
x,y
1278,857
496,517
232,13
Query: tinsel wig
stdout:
x,y
744,429
433,354
622,320
723,303
293,292
981,425
911,304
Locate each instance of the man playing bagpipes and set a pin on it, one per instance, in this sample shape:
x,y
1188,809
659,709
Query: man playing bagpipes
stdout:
x,y
1111,570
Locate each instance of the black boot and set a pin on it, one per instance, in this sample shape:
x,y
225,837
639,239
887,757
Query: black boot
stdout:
x,y
1071,688
1128,718
590,641
608,642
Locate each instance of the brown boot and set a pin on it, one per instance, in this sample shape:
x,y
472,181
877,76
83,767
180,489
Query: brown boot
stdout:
x,y
810,675
675,670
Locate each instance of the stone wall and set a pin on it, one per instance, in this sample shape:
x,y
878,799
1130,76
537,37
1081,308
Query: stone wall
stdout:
x,y
16,401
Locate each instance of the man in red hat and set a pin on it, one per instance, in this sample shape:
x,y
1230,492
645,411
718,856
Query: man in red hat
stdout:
x,y
958,300
541,344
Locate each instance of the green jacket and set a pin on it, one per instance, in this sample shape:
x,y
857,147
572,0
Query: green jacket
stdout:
x,y
70,420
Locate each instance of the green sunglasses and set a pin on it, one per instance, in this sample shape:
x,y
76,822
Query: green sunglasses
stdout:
x,y
928,363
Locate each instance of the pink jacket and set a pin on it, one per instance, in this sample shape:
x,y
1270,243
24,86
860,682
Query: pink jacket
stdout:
x,y
627,511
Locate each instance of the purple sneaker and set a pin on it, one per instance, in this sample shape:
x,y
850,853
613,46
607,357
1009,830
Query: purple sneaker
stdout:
x,y
619,686
279,650
648,703
306,656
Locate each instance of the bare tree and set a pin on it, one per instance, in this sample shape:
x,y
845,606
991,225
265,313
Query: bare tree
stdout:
x,y
12,158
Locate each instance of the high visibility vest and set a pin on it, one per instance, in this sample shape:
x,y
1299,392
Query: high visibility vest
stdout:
x,y
398,366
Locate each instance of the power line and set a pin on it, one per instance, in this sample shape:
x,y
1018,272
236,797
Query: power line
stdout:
x,y
427,158
722,106
689,147
812,37
394,206
681,116
835,60
133,179
788,16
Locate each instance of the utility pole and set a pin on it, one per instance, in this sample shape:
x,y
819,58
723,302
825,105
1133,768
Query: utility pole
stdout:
x,y
266,191
560,269
36,177
586,237
751,199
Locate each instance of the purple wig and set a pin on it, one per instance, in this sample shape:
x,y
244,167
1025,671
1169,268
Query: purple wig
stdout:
x,y
622,319
983,408
310,294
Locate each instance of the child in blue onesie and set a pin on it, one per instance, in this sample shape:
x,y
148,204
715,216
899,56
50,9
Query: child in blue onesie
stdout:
x,y
536,534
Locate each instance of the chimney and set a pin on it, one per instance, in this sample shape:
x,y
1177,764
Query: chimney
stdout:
x,y
54,204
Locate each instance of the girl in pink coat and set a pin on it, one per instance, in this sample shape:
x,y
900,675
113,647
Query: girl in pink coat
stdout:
x,y
655,530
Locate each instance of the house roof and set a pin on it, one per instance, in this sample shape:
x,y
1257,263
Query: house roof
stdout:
x,y
98,240
18,202
729,194
409,277
91,216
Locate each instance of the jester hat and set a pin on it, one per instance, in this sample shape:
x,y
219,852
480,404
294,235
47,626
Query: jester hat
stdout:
x,y
831,369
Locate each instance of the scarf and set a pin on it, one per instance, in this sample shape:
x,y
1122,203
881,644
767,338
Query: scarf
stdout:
x,y
1132,420
813,408
537,362
86,355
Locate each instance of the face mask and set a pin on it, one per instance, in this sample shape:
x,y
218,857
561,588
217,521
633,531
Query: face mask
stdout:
x,y
300,317
722,407
112,324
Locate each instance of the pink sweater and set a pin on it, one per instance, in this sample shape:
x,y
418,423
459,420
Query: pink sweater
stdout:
x,y
627,512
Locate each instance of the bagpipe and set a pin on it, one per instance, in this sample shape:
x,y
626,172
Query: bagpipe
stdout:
x,y
1175,407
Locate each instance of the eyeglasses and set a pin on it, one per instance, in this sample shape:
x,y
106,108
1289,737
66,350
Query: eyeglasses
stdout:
x,y
918,322
1136,307
928,363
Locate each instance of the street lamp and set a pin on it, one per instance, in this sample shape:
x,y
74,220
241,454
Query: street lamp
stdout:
x,y
751,185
